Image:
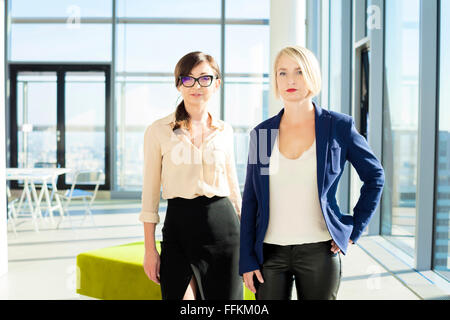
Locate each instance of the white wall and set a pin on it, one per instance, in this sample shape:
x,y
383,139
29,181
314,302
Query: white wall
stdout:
x,y
287,27
3,222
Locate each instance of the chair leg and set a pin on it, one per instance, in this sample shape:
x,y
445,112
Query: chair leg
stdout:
x,y
65,209
11,218
62,218
88,211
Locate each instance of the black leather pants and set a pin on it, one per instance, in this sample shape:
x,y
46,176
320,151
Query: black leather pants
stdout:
x,y
314,268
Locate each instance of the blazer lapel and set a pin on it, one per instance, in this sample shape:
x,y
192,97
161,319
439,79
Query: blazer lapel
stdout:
x,y
322,127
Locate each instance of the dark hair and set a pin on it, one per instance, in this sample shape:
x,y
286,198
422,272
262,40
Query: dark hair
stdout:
x,y
184,67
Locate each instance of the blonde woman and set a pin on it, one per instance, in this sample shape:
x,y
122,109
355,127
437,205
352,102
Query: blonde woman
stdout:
x,y
191,154
296,159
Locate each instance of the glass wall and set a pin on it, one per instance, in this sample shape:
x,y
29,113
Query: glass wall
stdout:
x,y
150,38
36,119
85,121
247,66
442,208
398,22
400,122
335,65
169,8
62,30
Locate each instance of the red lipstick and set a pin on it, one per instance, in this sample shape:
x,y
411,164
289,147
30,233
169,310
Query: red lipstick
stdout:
x,y
291,90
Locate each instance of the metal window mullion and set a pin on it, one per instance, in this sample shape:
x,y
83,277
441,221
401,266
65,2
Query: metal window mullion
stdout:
x,y
324,49
24,121
222,60
61,124
7,87
376,83
426,133
313,22
112,115
346,93
127,20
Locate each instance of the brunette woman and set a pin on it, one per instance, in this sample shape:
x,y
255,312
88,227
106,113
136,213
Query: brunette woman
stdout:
x,y
190,153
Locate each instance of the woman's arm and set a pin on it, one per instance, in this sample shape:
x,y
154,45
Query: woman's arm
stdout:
x,y
149,237
371,174
248,261
233,182
152,260
151,187
248,264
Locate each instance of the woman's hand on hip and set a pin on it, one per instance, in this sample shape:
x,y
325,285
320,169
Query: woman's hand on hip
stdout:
x,y
152,263
248,279
335,248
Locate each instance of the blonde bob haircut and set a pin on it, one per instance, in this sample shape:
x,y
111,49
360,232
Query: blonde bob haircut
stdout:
x,y
308,64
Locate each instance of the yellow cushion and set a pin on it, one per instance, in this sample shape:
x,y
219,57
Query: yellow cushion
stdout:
x,y
116,273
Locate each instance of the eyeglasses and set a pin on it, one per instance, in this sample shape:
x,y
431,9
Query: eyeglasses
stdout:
x,y
203,81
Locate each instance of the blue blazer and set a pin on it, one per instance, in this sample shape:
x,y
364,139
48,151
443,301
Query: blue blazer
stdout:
x,y
337,141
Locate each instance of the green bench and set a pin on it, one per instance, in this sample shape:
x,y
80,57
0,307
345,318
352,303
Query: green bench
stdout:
x,y
116,273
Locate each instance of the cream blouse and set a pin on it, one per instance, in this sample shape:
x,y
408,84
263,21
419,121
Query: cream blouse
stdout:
x,y
183,170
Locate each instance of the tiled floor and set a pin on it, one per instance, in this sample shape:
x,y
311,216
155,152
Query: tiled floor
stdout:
x,y
42,265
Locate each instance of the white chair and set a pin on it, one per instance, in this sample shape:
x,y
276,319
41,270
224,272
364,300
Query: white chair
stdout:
x,y
88,197
12,213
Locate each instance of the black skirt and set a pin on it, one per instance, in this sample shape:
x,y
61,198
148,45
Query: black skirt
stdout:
x,y
201,239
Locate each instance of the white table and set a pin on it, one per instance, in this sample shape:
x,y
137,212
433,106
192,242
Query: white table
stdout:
x,y
42,175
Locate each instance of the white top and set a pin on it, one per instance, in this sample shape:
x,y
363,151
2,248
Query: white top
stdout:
x,y
295,214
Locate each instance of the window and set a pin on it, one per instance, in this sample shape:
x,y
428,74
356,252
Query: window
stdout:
x,y
441,258
247,68
60,42
400,121
85,121
60,8
36,118
169,9
335,66
248,9
62,30
144,47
